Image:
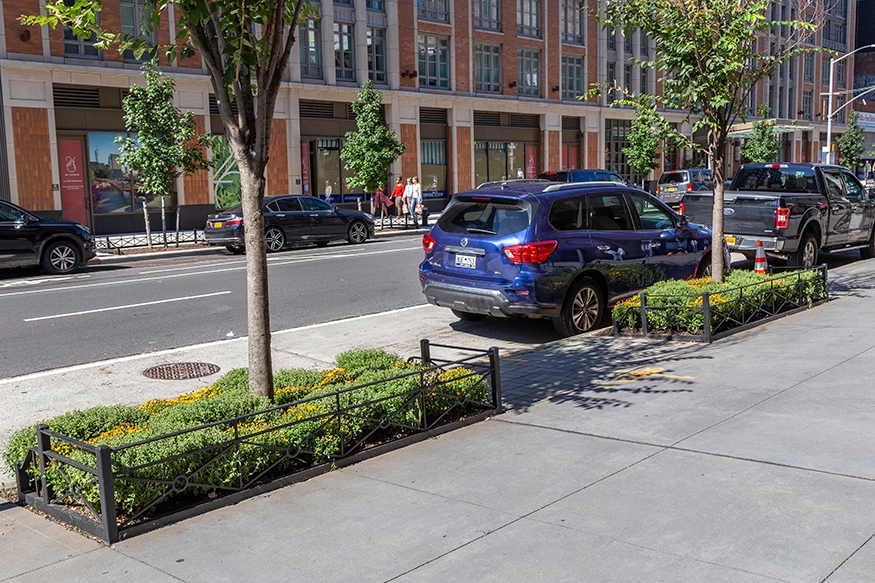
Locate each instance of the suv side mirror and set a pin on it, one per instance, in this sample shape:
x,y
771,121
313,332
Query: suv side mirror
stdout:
x,y
682,221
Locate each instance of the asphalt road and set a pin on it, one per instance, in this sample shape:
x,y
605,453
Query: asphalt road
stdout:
x,y
111,311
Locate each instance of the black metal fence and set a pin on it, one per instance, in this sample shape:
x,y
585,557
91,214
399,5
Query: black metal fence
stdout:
x,y
708,317
115,243
176,475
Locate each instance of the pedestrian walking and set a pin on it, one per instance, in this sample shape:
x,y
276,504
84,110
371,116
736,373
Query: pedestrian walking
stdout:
x,y
398,196
383,203
408,197
415,199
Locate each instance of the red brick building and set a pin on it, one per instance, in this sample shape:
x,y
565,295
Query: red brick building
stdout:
x,y
478,89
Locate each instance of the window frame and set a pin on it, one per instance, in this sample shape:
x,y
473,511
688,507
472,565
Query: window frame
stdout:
x,y
531,59
435,10
308,48
137,7
441,45
529,21
376,72
573,22
487,54
344,72
569,63
490,22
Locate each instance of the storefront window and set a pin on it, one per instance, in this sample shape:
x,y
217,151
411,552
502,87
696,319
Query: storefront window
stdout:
x,y
434,168
330,178
495,161
110,182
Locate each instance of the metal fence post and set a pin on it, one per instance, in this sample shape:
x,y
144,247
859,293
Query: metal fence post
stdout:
x,y
425,351
706,316
106,483
825,281
44,444
495,377
643,297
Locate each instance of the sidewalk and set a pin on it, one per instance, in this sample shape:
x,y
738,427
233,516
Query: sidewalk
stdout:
x,y
629,460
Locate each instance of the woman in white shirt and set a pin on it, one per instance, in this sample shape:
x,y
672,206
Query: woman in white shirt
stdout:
x,y
415,197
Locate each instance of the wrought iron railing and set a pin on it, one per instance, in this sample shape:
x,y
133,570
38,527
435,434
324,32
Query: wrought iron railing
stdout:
x,y
115,243
190,471
708,316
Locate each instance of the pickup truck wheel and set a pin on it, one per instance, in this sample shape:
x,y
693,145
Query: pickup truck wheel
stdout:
x,y
583,309
469,316
806,256
868,252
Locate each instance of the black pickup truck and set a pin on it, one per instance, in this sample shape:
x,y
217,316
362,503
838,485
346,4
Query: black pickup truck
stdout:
x,y
794,209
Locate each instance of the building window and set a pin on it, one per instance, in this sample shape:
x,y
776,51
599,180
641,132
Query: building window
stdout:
x,y
134,18
377,54
841,75
627,78
808,68
572,77
503,160
627,42
644,88
573,24
824,73
434,168
433,10
378,5
487,14
528,13
434,61
311,49
79,47
616,140
808,105
344,51
529,72
612,38
752,101
837,112
487,68
611,80
645,46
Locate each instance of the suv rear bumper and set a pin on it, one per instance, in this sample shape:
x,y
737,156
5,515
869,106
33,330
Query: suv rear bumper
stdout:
x,y
481,301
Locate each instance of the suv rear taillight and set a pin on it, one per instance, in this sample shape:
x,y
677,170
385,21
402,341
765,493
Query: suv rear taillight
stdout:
x,y
428,243
782,217
535,253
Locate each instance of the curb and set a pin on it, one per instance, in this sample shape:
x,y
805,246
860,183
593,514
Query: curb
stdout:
x,y
111,258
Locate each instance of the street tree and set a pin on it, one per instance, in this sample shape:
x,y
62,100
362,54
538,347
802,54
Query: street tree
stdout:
x,y
166,143
851,143
245,48
709,54
369,151
762,146
648,133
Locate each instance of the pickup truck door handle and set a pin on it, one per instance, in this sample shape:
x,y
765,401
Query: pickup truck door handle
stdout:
x,y
314,215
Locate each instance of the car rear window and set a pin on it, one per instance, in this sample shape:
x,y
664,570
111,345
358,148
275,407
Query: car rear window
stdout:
x,y
676,177
776,179
485,217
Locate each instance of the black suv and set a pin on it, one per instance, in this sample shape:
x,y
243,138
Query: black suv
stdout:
x,y
27,239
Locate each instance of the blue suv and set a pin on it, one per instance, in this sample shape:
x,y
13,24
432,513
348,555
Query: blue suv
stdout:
x,y
560,251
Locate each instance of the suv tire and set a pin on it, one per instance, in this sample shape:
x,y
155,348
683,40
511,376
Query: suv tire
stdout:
x,y
583,309
61,257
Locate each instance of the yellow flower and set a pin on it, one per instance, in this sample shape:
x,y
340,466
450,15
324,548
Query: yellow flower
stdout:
x,y
156,405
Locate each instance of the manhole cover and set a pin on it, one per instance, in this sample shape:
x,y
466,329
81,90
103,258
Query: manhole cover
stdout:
x,y
181,370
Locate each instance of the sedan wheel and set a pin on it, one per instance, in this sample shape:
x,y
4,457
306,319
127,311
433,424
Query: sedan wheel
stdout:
x,y
274,239
583,309
60,258
357,233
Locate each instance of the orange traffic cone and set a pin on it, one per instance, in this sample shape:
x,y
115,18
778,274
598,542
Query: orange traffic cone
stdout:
x,y
760,265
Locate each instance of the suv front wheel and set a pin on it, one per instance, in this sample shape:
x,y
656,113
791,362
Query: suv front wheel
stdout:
x,y
61,257
583,308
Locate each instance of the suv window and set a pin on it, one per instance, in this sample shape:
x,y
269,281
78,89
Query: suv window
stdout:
x,y
652,216
607,212
569,214
9,213
669,177
484,217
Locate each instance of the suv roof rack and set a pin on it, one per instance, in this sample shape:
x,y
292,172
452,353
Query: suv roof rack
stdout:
x,y
510,182
567,185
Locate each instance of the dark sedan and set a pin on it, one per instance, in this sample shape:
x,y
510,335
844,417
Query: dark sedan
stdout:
x,y
27,239
291,219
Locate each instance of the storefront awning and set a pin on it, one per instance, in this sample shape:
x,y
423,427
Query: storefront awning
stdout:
x,y
782,126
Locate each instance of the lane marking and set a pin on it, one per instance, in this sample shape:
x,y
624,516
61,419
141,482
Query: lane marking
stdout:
x,y
97,310
123,359
206,272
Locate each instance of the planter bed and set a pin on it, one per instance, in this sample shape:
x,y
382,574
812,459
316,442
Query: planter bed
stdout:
x,y
703,310
113,472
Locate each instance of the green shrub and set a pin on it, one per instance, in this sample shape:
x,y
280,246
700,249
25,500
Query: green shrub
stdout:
x,y
355,362
235,380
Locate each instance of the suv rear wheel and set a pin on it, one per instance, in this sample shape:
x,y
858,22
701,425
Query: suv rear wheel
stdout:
x,y
583,308
61,257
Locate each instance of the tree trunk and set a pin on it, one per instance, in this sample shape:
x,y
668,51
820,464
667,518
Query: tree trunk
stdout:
x,y
258,307
163,222
146,218
718,173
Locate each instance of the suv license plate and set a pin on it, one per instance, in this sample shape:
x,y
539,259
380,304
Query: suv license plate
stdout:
x,y
671,189
466,261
